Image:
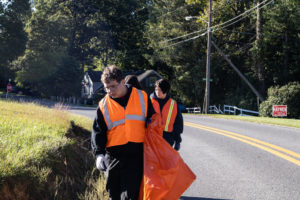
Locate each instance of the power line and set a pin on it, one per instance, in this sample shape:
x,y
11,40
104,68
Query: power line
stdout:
x,y
246,12
249,10
197,36
193,38
231,23
201,30
241,18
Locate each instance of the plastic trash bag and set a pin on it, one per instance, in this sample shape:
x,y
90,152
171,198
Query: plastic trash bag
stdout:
x,y
166,176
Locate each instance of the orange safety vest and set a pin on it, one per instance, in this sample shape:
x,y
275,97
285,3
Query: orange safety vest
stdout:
x,y
168,113
125,124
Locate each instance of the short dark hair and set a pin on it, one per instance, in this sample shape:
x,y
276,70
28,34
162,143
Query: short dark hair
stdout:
x,y
132,80
163,84
110,73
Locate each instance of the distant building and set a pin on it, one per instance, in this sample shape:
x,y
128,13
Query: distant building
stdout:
x,y
92,85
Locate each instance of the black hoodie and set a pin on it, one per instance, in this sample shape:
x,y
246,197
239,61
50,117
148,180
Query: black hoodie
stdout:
x,y
171,137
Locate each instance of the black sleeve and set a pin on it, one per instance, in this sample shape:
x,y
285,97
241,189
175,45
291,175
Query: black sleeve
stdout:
x,y
178,126
99,136
151,110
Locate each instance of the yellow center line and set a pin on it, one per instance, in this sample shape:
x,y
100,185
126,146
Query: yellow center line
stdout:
x,y
292,153
253,142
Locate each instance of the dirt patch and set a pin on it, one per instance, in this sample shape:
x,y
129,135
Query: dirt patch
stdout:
x,y
15,190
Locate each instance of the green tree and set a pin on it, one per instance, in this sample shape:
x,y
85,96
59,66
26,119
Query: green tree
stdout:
x,y
282,43
46,60
13,16
89,34
125,23
182,63
235,37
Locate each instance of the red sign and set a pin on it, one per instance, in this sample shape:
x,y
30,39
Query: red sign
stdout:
x,y
9,87
279,110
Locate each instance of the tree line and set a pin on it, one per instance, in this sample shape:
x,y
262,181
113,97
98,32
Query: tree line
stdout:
x,y
47,45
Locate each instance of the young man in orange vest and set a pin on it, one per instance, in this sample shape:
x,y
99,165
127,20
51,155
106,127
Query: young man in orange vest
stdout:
x,y
118,135
171,115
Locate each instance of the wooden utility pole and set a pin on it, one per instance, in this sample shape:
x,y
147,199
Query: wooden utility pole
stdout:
x,y
207,85
259,96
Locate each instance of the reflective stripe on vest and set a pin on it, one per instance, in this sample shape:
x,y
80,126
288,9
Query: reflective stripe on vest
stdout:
x,y
111,124
169,115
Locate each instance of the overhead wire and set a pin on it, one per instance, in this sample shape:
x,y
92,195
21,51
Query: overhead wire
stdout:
x,y
247,11
193,38
221,24
240,18
185,35
204,33
169,40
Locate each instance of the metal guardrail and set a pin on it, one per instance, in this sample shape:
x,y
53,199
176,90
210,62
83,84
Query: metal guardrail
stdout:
x,y
227,109
235,110
194,110
215,110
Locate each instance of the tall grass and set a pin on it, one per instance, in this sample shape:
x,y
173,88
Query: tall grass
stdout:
x,y
31,136
27,133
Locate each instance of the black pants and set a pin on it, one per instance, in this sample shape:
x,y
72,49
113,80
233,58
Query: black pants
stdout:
x,y
124,175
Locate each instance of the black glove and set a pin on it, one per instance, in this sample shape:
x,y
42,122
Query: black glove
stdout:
x,y
177,146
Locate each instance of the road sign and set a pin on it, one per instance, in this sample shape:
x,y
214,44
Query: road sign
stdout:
x,y
9,87
279,110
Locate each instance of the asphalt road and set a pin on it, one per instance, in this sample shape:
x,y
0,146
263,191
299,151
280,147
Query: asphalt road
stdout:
x,y
237,160
231,166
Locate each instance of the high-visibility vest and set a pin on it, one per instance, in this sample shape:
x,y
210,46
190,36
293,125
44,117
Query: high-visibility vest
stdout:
x,y
168,113
125,124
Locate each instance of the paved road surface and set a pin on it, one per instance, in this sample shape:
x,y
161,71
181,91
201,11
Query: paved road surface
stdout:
x,y
238,160
230,166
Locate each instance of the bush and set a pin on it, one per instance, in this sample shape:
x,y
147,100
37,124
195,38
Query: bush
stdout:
x,y
286,95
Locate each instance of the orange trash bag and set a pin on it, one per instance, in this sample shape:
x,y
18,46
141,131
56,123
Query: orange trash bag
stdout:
x,y
166,176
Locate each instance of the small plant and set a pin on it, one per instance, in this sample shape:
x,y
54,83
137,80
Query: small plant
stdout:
x,y
286,95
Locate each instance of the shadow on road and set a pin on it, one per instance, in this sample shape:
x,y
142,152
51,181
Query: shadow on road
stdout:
x,y
198,198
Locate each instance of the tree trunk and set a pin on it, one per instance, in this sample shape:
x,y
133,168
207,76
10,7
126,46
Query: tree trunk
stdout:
x,y
259,57
285,49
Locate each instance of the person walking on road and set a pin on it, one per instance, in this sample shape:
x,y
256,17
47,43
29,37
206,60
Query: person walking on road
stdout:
x,y
170,113
118,134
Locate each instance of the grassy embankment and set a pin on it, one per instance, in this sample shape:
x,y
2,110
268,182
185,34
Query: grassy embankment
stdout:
x,y
295,123
45,154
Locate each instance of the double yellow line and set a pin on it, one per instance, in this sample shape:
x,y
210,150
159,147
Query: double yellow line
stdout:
x,y
273,149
